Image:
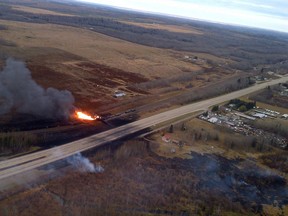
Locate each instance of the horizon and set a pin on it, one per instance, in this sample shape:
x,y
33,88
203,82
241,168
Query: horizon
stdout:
x,y
259,14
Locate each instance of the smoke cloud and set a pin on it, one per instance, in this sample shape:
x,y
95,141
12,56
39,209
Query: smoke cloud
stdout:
x,y
20,93
83,164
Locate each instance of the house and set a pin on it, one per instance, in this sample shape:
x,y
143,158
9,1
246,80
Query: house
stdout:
x,y
166,138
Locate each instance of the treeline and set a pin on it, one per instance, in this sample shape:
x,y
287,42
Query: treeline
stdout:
x,y
276,126
270,96
223,135
212,90
242,106
246,143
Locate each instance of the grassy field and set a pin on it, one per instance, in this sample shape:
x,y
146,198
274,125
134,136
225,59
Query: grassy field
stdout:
x,y
147,61
37,10
172,28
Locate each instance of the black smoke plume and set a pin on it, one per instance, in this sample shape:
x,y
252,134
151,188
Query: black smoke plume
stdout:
x,y
20,93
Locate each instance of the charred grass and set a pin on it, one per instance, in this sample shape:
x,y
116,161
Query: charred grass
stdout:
x,y
277,161
137,181
92,84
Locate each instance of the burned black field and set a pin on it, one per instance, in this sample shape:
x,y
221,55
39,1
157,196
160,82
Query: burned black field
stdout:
x,y
138,181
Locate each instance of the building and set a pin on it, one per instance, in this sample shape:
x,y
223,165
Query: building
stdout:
x,y
260,115
284,93
118,94
166,138
214,120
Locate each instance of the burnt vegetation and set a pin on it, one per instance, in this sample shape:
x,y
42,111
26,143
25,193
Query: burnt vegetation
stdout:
x,y
276,161
204,185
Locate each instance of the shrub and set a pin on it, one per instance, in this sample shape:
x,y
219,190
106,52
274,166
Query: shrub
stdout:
x,y
16,142
242,108
215,108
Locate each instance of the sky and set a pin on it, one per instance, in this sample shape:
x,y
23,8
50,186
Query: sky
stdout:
x,y
266,14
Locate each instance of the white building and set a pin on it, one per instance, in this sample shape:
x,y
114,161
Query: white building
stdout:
x,y
260,115
213,120
118,94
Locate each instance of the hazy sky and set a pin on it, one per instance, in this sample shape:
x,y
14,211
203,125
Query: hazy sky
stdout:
x,y
268,14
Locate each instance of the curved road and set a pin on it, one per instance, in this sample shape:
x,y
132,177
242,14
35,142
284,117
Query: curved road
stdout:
x,y
20,164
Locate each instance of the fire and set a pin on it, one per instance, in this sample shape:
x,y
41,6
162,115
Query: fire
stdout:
x,y
84,116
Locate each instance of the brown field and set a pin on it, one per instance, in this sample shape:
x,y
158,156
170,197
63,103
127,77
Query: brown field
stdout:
x,y
94,65
150,62
171,28
37,10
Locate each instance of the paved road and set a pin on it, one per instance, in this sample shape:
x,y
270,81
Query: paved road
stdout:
x,y
20,164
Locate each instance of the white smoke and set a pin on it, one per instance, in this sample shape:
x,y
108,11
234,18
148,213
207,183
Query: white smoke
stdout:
x,y
83,164
19,92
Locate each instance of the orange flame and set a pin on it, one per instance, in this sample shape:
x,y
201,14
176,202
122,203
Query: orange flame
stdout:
x,y
84,116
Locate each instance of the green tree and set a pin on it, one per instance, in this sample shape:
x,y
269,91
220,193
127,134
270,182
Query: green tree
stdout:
x,y
243,108
171,129
215,108
183,127
269,88
181,144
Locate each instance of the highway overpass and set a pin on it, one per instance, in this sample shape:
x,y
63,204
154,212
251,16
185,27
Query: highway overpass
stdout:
x,y
30,161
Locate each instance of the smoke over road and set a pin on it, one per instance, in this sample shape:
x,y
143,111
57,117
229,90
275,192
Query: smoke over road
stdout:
x,y
20,93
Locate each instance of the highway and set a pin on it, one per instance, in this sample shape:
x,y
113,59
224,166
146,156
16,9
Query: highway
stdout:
x,y
27,162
